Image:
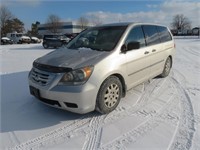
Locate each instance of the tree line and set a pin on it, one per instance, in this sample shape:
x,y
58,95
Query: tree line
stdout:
x,y
9,23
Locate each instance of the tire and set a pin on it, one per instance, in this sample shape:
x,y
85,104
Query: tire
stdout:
x,y
109,95
167,68
45,45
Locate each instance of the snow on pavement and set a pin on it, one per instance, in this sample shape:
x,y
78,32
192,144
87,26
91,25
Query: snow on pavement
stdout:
x,y
159,114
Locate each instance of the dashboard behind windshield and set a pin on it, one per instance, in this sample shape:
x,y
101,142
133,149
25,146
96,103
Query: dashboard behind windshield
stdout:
x,y
98,38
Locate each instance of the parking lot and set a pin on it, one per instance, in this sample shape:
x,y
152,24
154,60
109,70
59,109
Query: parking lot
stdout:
x,y
162,113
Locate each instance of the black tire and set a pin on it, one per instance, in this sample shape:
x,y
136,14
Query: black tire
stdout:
x,y
109,95
167,68
45,45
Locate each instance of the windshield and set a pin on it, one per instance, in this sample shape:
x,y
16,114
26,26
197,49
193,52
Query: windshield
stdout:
x,y
18,35
98,38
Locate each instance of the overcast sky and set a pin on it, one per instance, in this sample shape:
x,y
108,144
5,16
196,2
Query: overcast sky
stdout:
x,y
107,11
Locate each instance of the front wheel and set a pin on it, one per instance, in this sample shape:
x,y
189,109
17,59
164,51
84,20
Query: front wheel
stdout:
x,y
167,68
109,95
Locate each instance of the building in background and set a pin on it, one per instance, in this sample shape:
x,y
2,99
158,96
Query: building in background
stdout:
x,y
64,28
196,31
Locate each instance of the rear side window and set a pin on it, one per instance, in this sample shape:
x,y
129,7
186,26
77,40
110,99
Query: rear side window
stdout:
x,y
136,35
151,35
164,34
51,37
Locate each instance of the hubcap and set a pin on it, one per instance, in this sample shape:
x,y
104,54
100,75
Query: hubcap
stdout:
x,y
111,95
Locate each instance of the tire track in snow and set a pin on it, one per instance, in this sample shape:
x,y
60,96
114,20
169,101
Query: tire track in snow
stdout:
x,y
13,137
188,55
185,131
63,133
155,119
143,100
53,135
89,143
192,51
93,138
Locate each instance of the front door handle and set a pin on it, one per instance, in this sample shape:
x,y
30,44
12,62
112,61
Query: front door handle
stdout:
x,y
146,52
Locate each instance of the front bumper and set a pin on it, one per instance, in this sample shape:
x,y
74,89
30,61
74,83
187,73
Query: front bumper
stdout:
x,y
79,99
25,41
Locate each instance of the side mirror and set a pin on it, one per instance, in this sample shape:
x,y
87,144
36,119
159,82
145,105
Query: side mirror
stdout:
x,y
123,48
133,45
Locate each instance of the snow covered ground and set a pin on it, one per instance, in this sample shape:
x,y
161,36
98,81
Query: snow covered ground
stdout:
x,y
163,114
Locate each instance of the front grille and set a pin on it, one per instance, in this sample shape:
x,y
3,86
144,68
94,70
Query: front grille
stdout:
x,y
41,77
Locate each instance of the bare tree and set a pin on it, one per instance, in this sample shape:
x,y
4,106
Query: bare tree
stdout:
x,y
95,20
54,24
5,16
83,22
180,22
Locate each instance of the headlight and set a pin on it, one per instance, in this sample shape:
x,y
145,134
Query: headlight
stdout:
x,y
76,77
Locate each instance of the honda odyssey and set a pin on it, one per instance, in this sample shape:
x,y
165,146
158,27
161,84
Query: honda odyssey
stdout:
x,y
95,69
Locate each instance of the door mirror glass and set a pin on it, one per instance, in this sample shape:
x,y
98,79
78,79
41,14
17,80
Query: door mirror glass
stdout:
x,y
133,45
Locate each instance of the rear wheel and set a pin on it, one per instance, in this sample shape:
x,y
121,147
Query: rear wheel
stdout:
x,y
109,95
45,45
167,68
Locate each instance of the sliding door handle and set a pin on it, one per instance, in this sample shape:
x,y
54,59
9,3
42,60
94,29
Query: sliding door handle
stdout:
x,y
154,50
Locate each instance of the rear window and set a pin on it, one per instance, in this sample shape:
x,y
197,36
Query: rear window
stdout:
x,y
151,35
164,34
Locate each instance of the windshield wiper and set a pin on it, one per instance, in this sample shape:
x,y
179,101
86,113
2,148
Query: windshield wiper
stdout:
x,y
97,49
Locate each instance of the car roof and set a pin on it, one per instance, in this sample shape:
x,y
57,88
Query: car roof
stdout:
x,y
128,24
116,24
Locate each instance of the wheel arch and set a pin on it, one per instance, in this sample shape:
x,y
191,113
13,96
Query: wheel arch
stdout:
x,y
121,78
170,56
99,107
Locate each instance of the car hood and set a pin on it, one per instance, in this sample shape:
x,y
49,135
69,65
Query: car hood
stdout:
x,y
72,58
5,38
34,38
25,37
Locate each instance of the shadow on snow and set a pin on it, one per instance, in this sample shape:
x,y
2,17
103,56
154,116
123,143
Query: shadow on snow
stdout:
x,y
21,111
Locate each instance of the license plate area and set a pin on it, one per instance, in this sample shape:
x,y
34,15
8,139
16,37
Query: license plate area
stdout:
x,y
35,92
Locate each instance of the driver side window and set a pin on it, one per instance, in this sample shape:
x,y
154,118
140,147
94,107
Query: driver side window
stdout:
x,y
136,34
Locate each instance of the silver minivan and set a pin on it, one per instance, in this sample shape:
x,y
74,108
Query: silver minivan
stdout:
x,y
95,69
